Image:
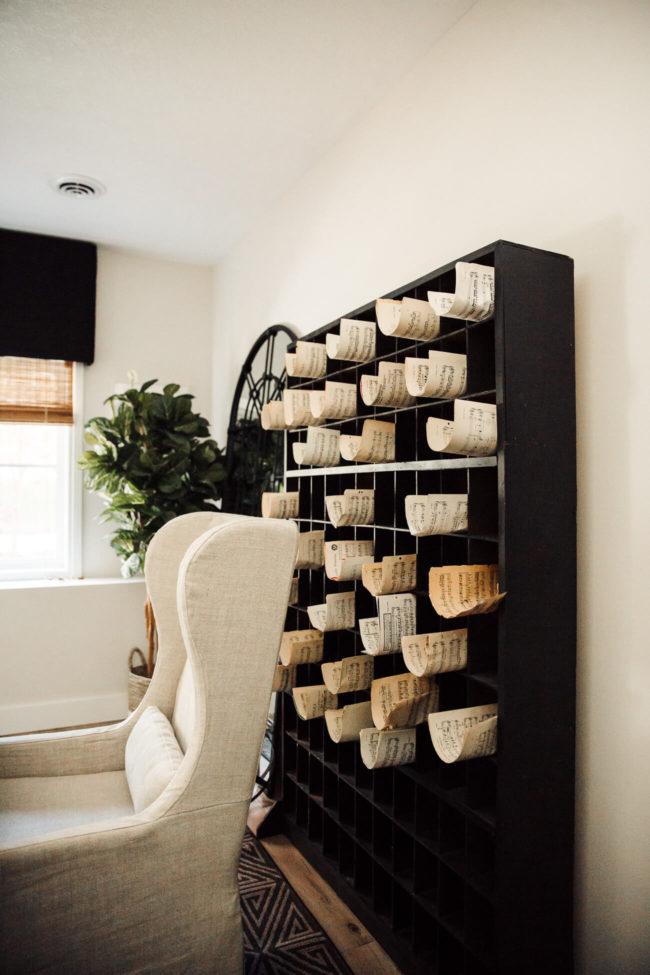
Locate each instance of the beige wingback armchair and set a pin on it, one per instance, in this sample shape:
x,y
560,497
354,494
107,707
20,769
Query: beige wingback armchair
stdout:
x,y
119,845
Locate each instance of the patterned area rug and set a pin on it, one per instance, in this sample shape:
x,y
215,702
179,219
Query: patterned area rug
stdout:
x,y
281,937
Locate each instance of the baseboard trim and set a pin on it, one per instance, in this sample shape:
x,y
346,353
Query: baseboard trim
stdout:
x,y
63,713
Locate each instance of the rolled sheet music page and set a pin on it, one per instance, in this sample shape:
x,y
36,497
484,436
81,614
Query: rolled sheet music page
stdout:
x,y
442,376
473,299
354,343
280,504
321,448
353,507
464,590
395,618
313,701
344,559
465,733
349,674
382,749
345,724
309,361
472,432
311,554
395,573
409,318
337,401
284,678
297,409
435,514
273,417
426,654
376,445
336,613
301,647
387,388
293,592
402,701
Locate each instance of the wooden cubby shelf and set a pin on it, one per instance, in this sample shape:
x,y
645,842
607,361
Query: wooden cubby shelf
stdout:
x,y
460,869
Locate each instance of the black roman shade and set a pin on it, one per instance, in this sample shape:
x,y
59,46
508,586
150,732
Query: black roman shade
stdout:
x,y
47,297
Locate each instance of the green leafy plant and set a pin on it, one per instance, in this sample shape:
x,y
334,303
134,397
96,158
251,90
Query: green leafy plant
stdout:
x,y
150,460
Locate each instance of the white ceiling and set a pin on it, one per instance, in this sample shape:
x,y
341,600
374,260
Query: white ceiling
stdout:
x,y
196,115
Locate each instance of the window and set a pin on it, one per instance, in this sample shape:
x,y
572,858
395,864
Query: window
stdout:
x,y
39,484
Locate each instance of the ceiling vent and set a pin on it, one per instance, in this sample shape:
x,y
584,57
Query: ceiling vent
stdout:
x,y
79,186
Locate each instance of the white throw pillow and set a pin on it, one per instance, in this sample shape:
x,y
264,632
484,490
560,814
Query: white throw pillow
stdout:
x,y
151,758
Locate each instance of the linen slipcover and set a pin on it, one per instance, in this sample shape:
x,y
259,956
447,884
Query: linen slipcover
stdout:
x,y
156,891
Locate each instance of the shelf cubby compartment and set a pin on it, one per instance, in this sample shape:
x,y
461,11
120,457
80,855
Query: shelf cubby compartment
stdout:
x,y
315,822
403,800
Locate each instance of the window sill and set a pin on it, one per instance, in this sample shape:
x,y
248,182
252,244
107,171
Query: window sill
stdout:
x,y
68,583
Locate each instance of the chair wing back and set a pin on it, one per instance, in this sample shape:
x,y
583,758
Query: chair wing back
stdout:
x,y
164,556
233,590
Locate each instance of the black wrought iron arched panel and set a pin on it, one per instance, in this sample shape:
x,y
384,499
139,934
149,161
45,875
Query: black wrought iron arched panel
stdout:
x,y
255,457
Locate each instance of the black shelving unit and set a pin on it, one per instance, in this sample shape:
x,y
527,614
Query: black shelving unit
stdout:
x,y
463,868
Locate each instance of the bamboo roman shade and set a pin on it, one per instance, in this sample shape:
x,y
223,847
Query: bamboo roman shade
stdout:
x,y
35,390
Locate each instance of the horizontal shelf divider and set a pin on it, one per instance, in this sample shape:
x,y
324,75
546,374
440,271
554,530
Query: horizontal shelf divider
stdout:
x,y
453,463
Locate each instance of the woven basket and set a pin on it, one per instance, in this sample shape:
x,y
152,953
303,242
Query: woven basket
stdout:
x,y
138,680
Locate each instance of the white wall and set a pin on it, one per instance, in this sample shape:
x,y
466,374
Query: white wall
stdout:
x,y
64,646
528,122
65,652
154,317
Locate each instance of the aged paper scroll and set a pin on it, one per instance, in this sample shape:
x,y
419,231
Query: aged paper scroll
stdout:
x,y
409,318
301,647
297,409
311,554
336,613
309,361
293,592
376,445
284,678
395,573
472,432
337,401
402,701
313,701
473,299
465,733
345,558
426,654
395,618
321,448
387,388
442,376
345,724
349,674
381,749
353,507
463,590
280,504
273,417
354,343
435,514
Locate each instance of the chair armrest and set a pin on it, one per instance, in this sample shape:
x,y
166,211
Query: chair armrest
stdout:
x,y
77,752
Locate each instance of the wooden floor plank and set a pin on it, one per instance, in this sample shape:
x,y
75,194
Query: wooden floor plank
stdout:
x,y
370,959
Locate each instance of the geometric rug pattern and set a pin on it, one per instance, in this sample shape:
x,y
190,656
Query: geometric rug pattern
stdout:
x,y
281,937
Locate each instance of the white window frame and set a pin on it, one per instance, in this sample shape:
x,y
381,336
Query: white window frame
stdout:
x,y
69,481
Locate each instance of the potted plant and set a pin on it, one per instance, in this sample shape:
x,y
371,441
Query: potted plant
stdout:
x,y
150,460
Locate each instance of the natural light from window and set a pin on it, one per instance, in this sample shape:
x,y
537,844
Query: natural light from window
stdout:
x,y
38,476
34,493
